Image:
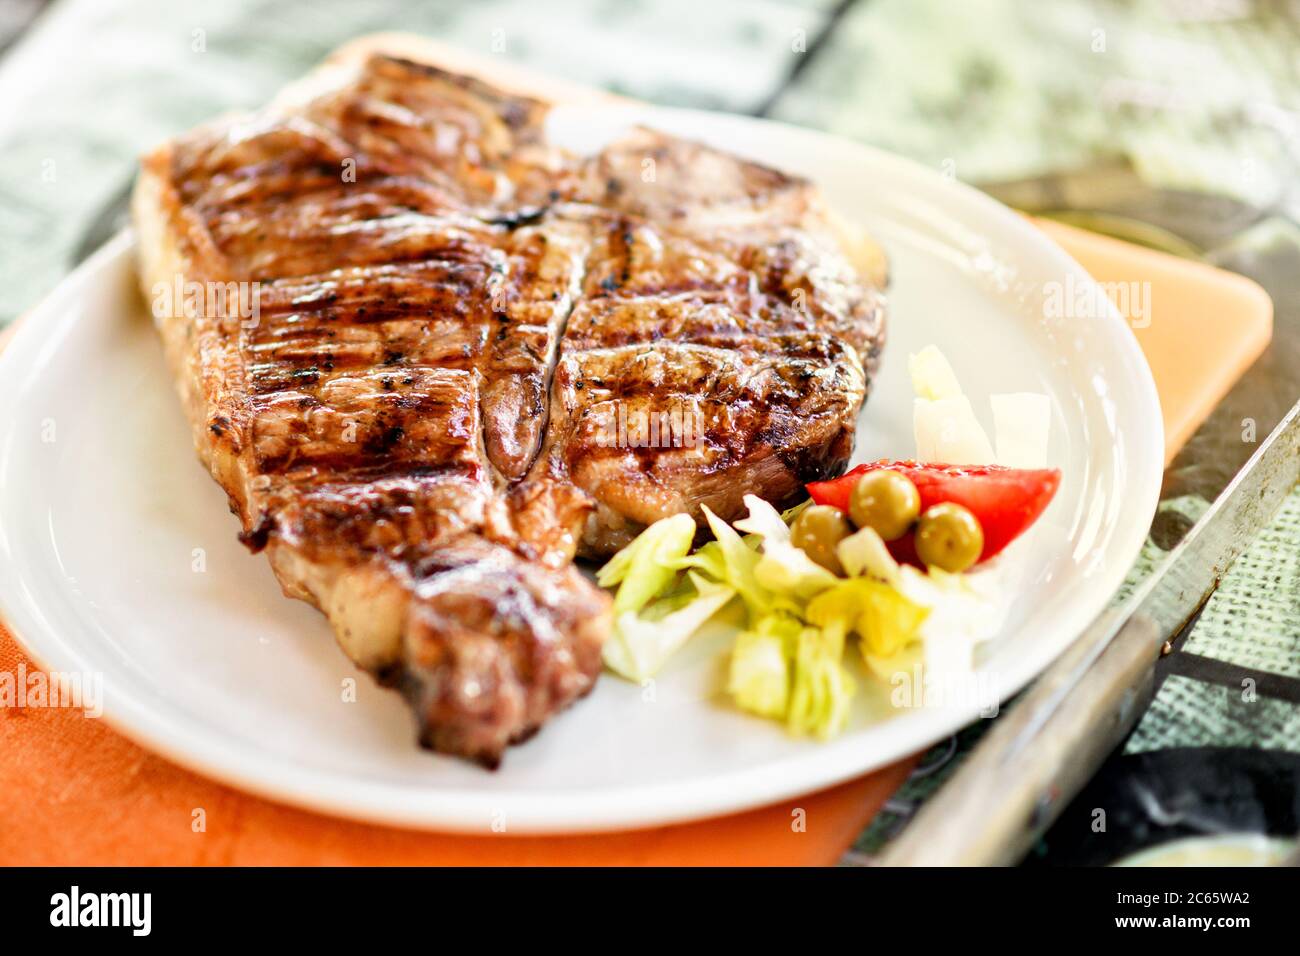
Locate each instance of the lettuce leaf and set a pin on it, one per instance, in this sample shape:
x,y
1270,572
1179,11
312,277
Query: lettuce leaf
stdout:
x,y
708,559
783,569
962,610
759,676
642,643
822,689
737,563
764,521
647,566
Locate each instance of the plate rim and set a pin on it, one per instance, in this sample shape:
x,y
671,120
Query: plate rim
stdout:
x,y
553,811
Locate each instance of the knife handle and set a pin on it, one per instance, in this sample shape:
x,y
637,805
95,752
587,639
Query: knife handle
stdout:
x,y
1035,759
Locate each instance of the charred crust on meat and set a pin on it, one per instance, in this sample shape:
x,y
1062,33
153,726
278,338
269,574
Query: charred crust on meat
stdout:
x,y
396,432
255,538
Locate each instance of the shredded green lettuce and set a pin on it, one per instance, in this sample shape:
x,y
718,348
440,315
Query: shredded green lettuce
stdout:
x,y
708,559
760,673
764,521
656,609
642,643
783,568
822,689
737,563
648,565
783,669
787,661
963,613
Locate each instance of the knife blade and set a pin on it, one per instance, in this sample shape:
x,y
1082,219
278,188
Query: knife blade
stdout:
x,y
1038,756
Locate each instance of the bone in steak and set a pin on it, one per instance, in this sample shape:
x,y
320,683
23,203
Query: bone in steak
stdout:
x,y
461,334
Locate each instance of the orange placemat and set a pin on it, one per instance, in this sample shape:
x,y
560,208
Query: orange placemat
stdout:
x,y
1199,327
74,792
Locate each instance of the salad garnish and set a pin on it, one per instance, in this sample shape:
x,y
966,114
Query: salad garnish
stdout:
x,y
893,556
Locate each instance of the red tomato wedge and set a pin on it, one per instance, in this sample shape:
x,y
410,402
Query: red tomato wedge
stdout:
x,y
1005,500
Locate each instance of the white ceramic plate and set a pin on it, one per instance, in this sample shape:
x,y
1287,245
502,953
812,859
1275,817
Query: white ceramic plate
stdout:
x,y
105,515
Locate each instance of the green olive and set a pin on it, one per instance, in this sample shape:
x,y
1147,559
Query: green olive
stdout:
x,y
817,531
885,501
949,537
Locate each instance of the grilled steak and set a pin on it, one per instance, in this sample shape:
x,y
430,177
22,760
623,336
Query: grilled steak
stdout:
x,y
425,414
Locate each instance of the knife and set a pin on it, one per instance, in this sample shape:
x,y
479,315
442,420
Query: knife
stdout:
x,y
1040,754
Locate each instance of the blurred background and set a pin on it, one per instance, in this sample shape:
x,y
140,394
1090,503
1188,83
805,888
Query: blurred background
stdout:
x,y
1171,123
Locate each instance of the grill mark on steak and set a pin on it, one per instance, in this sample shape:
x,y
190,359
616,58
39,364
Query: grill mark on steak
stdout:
x,y
715,297
410,427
